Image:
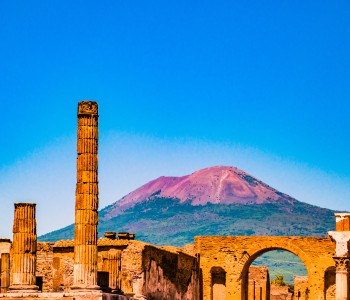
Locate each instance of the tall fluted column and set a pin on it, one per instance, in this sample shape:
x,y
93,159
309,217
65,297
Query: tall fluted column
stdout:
x,y
86,198
5,272
24,248
114,262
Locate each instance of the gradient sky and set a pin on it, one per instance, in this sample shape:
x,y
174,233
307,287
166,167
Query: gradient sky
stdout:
x,y
181,85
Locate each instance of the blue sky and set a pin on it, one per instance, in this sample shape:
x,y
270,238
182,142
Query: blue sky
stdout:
x,y
181,85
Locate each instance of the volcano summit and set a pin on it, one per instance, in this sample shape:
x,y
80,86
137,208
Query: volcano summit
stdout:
x,y
215,185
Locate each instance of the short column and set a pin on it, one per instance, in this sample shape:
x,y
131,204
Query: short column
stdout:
x,y
114,263
24,249
5,272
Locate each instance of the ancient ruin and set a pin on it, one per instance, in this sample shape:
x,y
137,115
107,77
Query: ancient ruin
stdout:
x,y
122,267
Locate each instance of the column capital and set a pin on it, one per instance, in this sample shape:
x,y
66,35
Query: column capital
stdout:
x,y
25,204
342,239
88,107
341,263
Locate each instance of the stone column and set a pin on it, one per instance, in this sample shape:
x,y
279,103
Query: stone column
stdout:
x,y
341,277
342,256
114,263
24,249
86,199
5,272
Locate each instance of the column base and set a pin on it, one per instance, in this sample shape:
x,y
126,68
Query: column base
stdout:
x,y
85,288
23,288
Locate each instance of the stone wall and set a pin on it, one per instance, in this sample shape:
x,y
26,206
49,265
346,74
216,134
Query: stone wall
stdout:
x,y
44,266
258,283
169,275
280,293
144,272
5,246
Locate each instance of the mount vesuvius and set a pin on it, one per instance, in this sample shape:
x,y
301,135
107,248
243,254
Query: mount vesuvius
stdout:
x,y
213,201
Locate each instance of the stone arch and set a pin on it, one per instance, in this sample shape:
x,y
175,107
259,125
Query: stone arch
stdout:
x,y
235,253
261,249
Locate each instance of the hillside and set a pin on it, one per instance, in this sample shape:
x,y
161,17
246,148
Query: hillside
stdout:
x,y
212,201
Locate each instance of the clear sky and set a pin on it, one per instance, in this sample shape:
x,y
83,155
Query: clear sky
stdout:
x,y
181,85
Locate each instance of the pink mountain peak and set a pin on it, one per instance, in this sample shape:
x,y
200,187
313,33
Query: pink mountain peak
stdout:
x,y
217,185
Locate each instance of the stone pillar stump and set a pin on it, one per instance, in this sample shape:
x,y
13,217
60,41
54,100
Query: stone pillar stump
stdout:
x,y
5,272
24,249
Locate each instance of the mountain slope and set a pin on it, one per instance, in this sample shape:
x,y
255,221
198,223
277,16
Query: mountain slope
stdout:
x,y
212,201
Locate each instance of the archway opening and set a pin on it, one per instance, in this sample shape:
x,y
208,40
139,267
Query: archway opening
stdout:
x,y
275,274
218,284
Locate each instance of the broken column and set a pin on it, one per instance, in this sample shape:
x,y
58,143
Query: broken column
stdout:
x,y
342,257
114,264
5,272
24,249
86,203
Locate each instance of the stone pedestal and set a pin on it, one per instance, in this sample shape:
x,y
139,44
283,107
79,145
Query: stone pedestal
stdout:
x,y
86,204
24,249
5,272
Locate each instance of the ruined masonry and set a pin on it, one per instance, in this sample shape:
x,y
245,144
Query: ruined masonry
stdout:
x,y
121,267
